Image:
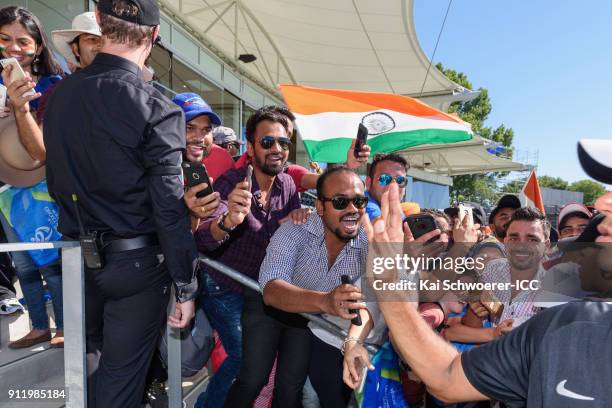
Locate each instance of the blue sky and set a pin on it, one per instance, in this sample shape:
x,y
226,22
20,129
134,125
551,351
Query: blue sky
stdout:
x,y
547,65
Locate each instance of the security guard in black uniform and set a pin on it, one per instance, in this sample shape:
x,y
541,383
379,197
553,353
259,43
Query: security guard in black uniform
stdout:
x,y
114,146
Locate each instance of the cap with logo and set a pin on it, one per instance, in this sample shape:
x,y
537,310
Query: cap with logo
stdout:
x,y
193,105
223,135
147,14
84,23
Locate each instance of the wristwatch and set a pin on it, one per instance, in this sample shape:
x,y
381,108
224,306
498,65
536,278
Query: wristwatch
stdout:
x,y
221,223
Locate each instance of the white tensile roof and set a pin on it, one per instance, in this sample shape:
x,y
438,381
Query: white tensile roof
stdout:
x,y
455,159
344,44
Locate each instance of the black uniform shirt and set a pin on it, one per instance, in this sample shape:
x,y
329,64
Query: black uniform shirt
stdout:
x,y
108,137
560,358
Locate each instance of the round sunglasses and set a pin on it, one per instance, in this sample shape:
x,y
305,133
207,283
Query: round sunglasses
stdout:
x,y
267,142
341,202
385,179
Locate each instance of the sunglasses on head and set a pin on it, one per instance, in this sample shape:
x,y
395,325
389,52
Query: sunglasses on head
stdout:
x,y
385,179
267,142
341,202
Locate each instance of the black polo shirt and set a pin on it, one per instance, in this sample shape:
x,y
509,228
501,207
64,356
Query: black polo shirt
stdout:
x,y
104,131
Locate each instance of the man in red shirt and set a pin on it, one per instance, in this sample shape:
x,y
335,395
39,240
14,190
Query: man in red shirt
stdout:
x,y
200,148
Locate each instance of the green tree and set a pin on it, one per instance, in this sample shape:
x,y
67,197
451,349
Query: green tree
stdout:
x,y
479,187
553,182
514,187
591,190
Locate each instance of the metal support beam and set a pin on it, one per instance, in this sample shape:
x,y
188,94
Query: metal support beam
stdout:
x,y
236,5
219,16
203,9
73,288
175,378
263,60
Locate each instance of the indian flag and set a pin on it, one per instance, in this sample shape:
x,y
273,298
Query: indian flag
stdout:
x,y
328,120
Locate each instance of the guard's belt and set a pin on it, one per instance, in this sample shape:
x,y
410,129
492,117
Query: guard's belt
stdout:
x,y
128,244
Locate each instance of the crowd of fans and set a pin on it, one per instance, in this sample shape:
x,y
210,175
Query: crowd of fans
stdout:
x,y
306,260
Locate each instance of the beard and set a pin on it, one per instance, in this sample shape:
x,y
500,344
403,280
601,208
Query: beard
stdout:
x,y
344,236
268,169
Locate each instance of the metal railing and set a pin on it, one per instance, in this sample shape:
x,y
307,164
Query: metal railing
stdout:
x,y
73,285
74,315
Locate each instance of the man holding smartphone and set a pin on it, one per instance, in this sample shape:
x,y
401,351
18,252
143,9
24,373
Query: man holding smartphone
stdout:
x,y
237,234
303,272
200,122
114,170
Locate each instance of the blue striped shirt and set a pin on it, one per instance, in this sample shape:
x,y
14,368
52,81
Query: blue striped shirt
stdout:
x,y
297,254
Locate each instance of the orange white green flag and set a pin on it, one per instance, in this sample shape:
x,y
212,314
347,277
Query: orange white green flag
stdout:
x,y
328,120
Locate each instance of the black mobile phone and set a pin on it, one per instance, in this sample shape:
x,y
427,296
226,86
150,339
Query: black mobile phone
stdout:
x,y
249,176
421,224
344,279
362,136
195,173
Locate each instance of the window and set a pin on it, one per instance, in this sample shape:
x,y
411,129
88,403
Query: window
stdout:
x,y
161,62
247,111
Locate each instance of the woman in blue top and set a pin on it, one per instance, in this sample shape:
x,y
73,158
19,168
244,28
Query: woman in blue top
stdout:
x,y
22,38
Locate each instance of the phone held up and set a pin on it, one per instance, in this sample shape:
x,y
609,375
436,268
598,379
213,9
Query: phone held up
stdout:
x,y
421,224
249,176
362,136
16,72
195,173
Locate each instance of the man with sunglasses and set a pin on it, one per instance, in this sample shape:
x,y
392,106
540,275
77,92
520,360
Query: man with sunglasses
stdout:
x,y
237,234
305,276
384,170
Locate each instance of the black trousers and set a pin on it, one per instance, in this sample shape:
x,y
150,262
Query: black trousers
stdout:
x,y
125,306
325,374
265,332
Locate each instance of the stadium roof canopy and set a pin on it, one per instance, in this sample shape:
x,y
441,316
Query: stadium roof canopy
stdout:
x,y
344,44
456,159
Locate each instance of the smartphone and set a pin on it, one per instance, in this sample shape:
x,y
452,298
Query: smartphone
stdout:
x,y
2,96
195,173
362,136
421,224
16,73
249,176
464,211
344,279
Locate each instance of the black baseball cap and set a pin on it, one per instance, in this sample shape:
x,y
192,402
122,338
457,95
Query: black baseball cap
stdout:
x,y
595,157
148,12
506,201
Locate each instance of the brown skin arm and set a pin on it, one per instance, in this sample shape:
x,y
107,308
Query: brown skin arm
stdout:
x,y
435,361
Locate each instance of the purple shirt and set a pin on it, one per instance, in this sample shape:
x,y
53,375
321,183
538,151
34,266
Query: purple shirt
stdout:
x,y
245,248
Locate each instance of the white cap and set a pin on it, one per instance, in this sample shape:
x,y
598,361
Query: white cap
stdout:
x,y
84,23
570,208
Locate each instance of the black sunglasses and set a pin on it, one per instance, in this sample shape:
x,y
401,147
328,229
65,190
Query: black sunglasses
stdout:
x,y
340,202
267,142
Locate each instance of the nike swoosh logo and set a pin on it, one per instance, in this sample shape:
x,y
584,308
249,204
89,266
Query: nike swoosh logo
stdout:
x,y
561,390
